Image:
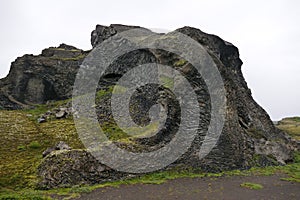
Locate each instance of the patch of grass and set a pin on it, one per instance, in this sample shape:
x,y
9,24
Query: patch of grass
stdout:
x,y
292,130
180,63
296,119
253,186
113,132
167,82
20,134
145,131
40,109
37,111
34,145
21,147
291,179
79,57
291,126
23,195
101,93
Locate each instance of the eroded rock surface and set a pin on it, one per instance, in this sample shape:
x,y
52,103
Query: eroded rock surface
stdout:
x,y
65,168
248,139
38,79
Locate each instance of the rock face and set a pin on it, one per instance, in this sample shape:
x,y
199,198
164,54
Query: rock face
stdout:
x,y
248,139
38,79
77,167
101,33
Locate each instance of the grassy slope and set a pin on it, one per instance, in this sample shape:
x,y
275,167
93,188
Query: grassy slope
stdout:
x,y
290,125
23,140
22,143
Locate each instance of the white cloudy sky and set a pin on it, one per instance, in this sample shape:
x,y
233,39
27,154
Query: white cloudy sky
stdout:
x,y
266,33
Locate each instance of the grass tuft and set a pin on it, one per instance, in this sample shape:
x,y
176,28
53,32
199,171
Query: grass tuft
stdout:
x,y
253,186
34,145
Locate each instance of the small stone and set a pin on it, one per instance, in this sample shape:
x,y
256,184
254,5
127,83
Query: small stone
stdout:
x,y
60,114
41,120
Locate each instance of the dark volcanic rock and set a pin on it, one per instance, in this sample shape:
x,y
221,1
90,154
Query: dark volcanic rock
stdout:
x,y
101,33
59,146
77,167
38,79
248,139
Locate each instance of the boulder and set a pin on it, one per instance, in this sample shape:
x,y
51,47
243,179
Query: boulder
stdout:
x,y
59,146
67,168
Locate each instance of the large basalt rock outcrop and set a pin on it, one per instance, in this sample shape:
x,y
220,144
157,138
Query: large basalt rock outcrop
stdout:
x,y
248,139
38,79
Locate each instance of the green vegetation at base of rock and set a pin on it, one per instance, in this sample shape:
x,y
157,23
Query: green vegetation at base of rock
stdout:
x,y
253,186
40,109
292,170
24,140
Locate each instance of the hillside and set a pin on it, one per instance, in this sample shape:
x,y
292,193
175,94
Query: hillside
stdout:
x,y
291,125
23,140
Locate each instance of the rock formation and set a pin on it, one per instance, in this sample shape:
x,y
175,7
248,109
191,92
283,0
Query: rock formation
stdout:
x,y
248,139
38,79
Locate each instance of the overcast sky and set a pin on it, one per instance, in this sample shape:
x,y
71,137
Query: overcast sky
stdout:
x,y
267,34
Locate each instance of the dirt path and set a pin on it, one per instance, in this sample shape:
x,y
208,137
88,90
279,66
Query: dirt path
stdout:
x,y
202,188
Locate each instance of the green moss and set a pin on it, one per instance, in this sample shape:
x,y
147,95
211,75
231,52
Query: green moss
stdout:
x,y
34,145
113,132
21,147
253,186
103,93
77,58
180,63
167,82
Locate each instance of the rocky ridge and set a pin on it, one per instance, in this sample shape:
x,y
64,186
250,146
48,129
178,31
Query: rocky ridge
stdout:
x,y
37,79
248,139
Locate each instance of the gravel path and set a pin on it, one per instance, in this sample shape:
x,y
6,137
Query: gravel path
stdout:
x,y
202,188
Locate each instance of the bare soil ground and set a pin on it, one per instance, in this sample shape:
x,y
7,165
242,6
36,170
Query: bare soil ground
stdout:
x,y
202,188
